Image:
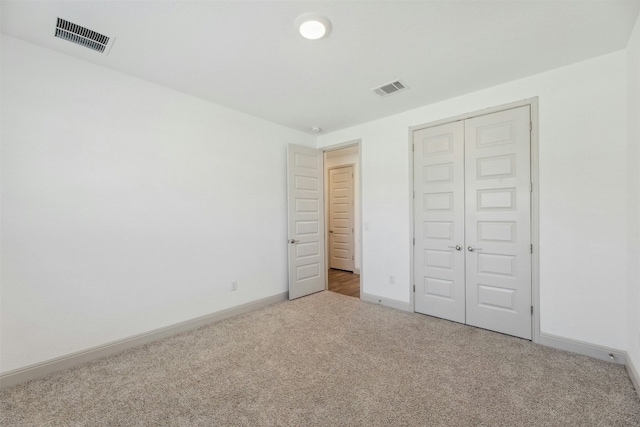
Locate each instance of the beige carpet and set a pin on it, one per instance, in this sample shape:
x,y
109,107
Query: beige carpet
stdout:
x,y
331,360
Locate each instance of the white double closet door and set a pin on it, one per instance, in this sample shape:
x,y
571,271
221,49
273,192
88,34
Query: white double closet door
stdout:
x,y
472,183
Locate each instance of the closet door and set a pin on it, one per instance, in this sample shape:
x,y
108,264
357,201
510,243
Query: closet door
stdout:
x,y
439,221
497,222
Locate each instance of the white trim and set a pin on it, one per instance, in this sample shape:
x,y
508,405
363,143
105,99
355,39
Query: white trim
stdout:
x,y
37,370
325,195
535,219
412,234
387,302
583,348
478,113
360,219
341,145
634,375
535,198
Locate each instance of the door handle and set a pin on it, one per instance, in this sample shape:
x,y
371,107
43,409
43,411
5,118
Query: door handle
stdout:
x,y
293,241
331,231
456,247
471,248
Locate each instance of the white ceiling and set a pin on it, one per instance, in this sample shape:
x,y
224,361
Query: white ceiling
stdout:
x,y
248,56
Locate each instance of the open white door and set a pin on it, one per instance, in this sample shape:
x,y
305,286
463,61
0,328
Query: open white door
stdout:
x,y
305,188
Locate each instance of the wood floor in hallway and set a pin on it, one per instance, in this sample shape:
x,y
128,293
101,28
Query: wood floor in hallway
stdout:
x,y
344,282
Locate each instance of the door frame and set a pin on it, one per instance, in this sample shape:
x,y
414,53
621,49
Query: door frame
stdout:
x,y
535,200
357,189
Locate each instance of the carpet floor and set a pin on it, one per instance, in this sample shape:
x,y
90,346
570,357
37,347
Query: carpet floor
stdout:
x,y
331,360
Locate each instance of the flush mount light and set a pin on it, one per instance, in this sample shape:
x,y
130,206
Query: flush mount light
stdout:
x,y
313,26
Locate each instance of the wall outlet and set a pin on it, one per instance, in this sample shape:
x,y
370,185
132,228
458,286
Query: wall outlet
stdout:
x,y
392,280
234,286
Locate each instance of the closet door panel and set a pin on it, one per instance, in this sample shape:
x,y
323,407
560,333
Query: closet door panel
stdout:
x,y
497,222
439,221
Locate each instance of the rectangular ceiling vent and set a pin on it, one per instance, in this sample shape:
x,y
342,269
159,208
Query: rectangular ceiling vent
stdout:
x,y
83,36
389,88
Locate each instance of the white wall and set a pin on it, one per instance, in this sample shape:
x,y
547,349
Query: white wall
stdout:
x,y
333,159
583,191
633,174
127,206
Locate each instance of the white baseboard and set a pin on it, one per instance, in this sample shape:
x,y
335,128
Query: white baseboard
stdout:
x,y
634,374
388,302
583,348
37,370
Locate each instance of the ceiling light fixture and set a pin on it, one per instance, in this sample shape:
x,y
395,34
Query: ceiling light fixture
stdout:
x,y
313,26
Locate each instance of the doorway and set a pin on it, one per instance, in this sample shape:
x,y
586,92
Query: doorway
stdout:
x,y
341,213
342,217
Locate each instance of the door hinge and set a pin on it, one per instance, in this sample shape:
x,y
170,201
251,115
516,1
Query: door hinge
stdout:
x,y
414,288
530,125
531,187
532,310
532,248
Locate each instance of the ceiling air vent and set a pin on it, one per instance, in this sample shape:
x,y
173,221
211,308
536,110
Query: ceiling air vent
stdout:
x,y
83,36
389,88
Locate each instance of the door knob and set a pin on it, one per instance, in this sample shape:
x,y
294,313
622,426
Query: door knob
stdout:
x,y
456,247
293,241
471,249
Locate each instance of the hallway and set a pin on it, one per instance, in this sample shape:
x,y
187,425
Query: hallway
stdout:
x,y
344,282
